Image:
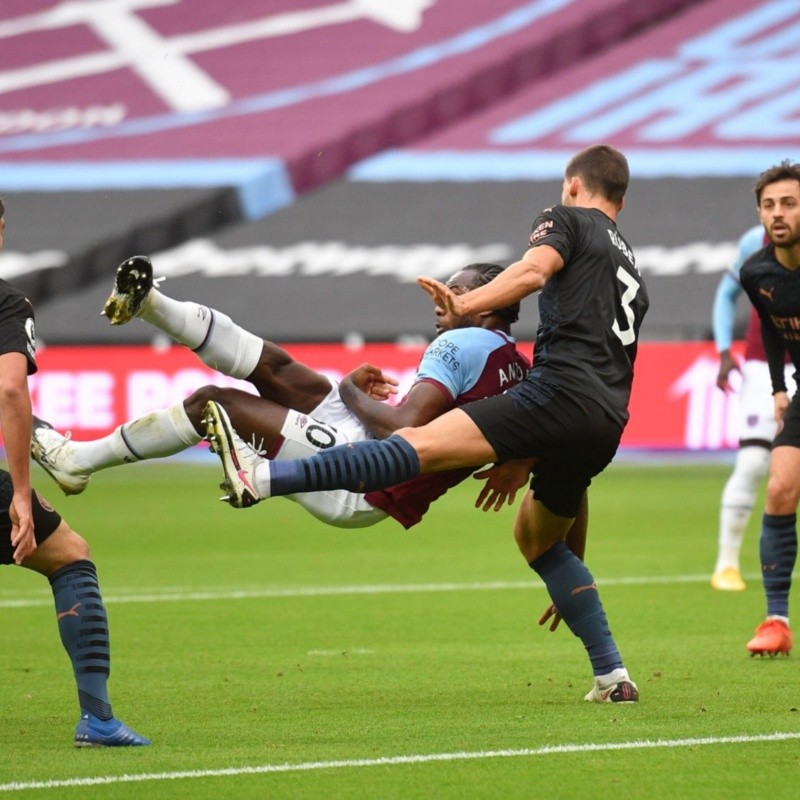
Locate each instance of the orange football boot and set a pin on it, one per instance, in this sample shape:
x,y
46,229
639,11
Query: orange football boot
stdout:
x,y
772,637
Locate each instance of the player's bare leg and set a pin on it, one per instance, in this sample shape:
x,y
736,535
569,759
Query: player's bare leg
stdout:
x,y
448,442
214,338
256,419
157,434
286,381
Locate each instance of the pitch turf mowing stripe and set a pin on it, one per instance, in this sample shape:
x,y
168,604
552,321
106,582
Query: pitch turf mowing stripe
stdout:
x,y
423,758
328,591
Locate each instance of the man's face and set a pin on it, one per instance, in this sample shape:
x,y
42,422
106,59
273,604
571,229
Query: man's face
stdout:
x,y
460,283
2,230
779,212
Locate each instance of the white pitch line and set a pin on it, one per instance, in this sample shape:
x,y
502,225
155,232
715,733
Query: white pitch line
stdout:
x,y
424,758
358,589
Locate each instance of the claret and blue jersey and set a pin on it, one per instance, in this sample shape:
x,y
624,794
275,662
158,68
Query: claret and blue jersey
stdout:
x,y
472,363
466,364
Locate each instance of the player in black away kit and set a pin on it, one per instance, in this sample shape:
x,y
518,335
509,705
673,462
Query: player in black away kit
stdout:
x,y
568,414
34,536
771,278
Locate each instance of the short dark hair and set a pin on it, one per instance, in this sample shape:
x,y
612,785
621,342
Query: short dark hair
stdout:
x,y
2,208
785,171
484,273
603,170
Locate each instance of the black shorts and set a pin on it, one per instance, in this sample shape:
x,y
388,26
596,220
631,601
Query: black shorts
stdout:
x,y
45,519
572,437
789,431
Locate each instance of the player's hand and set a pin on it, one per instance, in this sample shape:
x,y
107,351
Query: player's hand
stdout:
x,y
727,364
372,381
22,538
502,482
781,403
441,295
550,611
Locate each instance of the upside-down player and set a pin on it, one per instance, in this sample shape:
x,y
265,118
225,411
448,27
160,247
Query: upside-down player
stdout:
x,y
299,411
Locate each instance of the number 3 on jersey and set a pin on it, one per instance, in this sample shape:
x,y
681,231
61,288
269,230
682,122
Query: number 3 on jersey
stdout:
x,y
628,335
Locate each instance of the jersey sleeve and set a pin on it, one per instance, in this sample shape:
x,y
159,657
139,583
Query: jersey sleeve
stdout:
x,y
557,228
454,360
773,344
17,327
751,241
724,311
729,289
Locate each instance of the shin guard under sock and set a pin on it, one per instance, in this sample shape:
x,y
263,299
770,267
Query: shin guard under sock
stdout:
x,y
778,547
358,467
83,626
574,593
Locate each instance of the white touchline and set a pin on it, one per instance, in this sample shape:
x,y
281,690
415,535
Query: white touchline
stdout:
x,y
422,758
187,595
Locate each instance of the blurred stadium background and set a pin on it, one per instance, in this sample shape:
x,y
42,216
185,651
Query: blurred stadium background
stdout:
x,y
297,163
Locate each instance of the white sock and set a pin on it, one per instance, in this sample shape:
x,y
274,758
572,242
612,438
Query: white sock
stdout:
x,y
154,435
738,499
216,340
615,676
184,321
732,526
778,616
262,479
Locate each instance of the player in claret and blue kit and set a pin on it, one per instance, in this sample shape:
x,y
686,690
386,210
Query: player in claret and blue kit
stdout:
x,y
298,411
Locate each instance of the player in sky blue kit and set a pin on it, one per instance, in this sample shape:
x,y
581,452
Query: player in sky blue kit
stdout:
x,y
757,424
771,278
299,411
567,415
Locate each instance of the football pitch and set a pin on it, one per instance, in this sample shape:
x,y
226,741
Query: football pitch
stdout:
x,y
268,655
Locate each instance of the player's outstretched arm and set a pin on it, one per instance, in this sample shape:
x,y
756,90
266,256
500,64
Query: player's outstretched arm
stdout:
x,y
523,277
423,403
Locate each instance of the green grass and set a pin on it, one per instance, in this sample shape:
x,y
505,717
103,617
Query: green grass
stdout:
x,y
251,639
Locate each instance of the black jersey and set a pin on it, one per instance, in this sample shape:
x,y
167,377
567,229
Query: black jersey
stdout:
x,y
17,329
774,292
591,310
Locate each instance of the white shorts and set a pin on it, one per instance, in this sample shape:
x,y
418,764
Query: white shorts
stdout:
x,y
756,406
329,424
